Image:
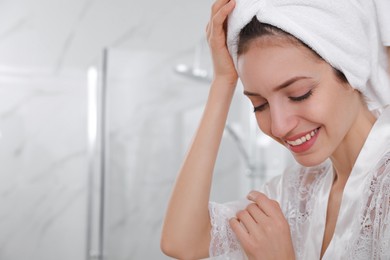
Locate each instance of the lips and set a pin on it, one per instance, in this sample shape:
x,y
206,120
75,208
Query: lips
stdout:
x,y
302,142
303,139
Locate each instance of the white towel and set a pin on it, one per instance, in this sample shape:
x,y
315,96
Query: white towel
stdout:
x,y
342,32
383,10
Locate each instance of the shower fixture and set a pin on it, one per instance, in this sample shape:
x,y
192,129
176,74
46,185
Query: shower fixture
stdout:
x,y
240,145
250,166
195,71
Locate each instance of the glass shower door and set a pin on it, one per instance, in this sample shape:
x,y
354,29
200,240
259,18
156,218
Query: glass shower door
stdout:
x,y
151,114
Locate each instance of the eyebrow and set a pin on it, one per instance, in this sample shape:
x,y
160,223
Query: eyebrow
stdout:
x,y
279,87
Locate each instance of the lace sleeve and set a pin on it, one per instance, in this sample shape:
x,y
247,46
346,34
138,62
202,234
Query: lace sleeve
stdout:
x,y
379,210
224,243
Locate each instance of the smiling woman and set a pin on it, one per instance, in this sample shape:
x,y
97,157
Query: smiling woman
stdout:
x,y
306,98
321,93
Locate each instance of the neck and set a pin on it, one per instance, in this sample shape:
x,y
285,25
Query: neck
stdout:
x,y
344,157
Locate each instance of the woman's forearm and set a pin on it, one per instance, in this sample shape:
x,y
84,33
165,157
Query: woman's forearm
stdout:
x,y
186,230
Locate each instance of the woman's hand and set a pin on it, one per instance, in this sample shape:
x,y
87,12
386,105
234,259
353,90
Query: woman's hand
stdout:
x,y
263,230
216,36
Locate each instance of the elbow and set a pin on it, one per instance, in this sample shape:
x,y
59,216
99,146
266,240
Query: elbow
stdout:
x,y
166,247
176,249
171,248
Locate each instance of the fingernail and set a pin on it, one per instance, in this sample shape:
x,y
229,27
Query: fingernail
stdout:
x,y
251,195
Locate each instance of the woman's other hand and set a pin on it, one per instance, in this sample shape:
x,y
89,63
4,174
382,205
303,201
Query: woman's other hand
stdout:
x,y
263,230
216,36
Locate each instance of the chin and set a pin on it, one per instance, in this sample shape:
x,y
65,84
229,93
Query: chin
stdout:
x,y
309,160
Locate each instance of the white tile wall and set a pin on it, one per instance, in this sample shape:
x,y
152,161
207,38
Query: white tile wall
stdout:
x,y
42,167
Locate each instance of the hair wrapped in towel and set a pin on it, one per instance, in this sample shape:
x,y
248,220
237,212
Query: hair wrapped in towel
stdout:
x,y
345,33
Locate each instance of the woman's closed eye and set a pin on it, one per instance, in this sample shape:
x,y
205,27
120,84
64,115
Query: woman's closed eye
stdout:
x,y
303,97
260,108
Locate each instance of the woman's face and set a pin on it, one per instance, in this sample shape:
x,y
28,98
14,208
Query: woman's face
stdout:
x,y
298,100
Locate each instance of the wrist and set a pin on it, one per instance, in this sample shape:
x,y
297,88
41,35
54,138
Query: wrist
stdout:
x,y
225,82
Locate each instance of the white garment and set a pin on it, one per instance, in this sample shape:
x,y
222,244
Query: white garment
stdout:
x,y
383,10
343,32
363,226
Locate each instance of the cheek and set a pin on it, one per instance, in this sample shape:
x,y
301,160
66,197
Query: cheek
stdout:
x,y
338,105
336,110
324,107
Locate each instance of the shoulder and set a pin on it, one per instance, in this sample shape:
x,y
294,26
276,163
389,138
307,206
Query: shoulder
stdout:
x,y
377,187
382,169
384,162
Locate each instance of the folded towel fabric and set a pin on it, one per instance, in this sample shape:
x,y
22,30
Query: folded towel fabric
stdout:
x,y
343,32
383,10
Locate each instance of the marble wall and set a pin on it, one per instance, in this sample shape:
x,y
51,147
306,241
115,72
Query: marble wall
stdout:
x,y
43,124
42,166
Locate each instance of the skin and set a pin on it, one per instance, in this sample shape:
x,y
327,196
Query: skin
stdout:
x,y
336,108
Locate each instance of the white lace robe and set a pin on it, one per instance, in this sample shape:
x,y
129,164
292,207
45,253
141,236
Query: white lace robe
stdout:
x,y
362,230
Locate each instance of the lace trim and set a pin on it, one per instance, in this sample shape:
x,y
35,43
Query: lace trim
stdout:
x,y
223,239
373,238
301,187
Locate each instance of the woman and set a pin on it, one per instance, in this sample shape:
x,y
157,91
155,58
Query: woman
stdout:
x,y
314,88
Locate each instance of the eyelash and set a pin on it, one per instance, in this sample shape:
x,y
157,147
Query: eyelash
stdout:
x,y
303,97
294,99
260,108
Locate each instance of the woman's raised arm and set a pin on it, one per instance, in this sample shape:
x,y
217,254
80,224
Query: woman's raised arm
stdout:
x,y
186,229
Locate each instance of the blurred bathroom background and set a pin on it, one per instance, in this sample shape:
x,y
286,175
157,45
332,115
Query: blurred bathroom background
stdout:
x,y
99,100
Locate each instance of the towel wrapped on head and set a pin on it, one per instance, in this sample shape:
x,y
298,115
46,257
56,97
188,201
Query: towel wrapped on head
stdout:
x,y
343,32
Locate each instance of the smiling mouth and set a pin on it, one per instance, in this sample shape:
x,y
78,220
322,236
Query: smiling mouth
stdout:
x,y
303,139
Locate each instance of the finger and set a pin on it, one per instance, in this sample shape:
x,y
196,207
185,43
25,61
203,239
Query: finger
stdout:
x,y
216,6
216,24
217,29
246,219
270,207
240,231
257,214
220,16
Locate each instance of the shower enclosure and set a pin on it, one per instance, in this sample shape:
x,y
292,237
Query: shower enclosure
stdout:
x,y
148,113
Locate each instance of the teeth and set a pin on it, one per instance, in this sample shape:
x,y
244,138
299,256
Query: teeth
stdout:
x,y
303,139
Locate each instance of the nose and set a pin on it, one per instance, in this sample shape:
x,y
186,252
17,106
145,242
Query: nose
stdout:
x,y
283,120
